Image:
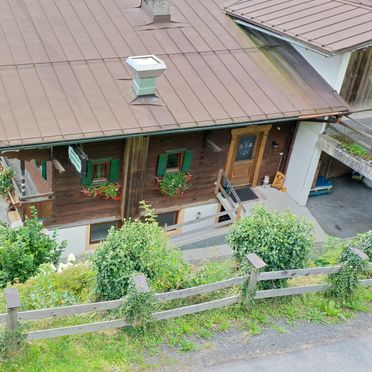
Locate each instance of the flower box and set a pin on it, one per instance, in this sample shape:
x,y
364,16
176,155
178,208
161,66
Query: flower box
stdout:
x,y
178,191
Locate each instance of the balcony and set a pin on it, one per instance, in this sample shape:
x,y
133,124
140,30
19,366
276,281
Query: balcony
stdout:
x,y
30,190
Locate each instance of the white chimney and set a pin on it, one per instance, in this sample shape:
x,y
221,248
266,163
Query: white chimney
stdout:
x,y
159,9
145,71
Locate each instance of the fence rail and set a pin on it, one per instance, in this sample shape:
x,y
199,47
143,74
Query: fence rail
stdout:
x,y
13,317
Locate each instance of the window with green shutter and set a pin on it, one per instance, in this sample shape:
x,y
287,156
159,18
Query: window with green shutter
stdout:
x,y
101,171
175,160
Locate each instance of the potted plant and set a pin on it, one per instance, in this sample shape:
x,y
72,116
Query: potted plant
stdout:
x,y
174,183
105,190
6,178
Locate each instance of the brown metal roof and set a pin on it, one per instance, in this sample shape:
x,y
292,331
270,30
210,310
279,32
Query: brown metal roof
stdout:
x,y
63,74
329,26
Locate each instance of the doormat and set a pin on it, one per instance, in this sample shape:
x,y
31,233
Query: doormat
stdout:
x,y
245,194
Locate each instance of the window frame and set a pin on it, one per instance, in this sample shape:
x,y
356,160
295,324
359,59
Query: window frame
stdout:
x,y
94,242
108,165
180,156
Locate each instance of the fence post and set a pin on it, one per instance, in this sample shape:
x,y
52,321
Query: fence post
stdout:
x,y
257,263
140,282
13,302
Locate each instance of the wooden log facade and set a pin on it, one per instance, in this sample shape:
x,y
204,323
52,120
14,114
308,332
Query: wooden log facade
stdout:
x,y
139,161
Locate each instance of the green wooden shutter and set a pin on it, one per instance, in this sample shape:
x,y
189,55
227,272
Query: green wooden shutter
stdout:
x,y
186,164
44,169
162,165
87,180
114,170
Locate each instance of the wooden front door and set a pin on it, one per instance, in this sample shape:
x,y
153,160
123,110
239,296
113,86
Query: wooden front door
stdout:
x,y
245,154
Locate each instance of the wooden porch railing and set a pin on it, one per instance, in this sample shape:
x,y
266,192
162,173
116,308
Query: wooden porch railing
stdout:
x,y
14,316
225,187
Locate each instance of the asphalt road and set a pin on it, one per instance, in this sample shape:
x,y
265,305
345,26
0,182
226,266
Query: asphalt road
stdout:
x,y
353,354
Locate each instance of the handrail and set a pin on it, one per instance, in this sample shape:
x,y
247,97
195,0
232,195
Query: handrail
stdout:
x,y
222,178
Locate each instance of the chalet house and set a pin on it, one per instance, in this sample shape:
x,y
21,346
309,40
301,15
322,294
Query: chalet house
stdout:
x,y
335,38
101,99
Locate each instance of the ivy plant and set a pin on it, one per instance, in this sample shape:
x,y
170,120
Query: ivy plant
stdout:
x,y
138,307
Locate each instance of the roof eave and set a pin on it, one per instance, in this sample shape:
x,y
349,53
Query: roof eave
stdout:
x,y
231,125
291,39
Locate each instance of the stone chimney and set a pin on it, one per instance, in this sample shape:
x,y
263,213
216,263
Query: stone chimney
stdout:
x,y
159,9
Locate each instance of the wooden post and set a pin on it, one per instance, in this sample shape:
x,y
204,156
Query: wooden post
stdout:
x,y
257,263
360,254
239,212
23,177
13,302
140,282
218,182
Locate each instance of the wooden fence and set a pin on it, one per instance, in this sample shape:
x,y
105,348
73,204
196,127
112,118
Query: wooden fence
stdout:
x,y
13,317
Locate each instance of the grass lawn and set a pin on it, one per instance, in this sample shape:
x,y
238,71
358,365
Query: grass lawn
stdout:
x,y
124,350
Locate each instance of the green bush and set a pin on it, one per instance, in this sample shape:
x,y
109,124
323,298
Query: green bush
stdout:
x,y
24,249
283,240
138,246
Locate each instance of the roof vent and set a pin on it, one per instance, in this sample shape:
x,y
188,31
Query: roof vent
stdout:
x,y
145,70
159,9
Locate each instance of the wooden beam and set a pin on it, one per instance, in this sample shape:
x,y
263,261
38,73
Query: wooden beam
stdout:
x,y
41,154
58,166
213,146
135,162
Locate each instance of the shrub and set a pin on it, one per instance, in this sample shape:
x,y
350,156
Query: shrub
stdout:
x,y
173,183
283,240
24,249
138,246
6,184
50,288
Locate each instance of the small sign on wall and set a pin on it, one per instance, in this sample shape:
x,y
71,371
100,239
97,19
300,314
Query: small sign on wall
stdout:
x,y
78,159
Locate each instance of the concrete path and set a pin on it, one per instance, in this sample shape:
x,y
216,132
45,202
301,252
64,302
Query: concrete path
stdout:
x,y
351,355
347,211
303,346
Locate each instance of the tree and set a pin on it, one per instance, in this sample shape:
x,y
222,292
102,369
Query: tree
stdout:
x,y
24,249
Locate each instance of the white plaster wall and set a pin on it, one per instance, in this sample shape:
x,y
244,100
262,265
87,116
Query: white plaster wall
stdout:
x,y
303,162
190,214
331,68
75,237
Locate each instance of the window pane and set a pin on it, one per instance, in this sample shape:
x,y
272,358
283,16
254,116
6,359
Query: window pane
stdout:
x,y
245,148
167,218
99,231
173,160
100,171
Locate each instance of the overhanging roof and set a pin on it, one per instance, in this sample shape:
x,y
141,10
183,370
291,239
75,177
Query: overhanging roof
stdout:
x,y
63,75
328,26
